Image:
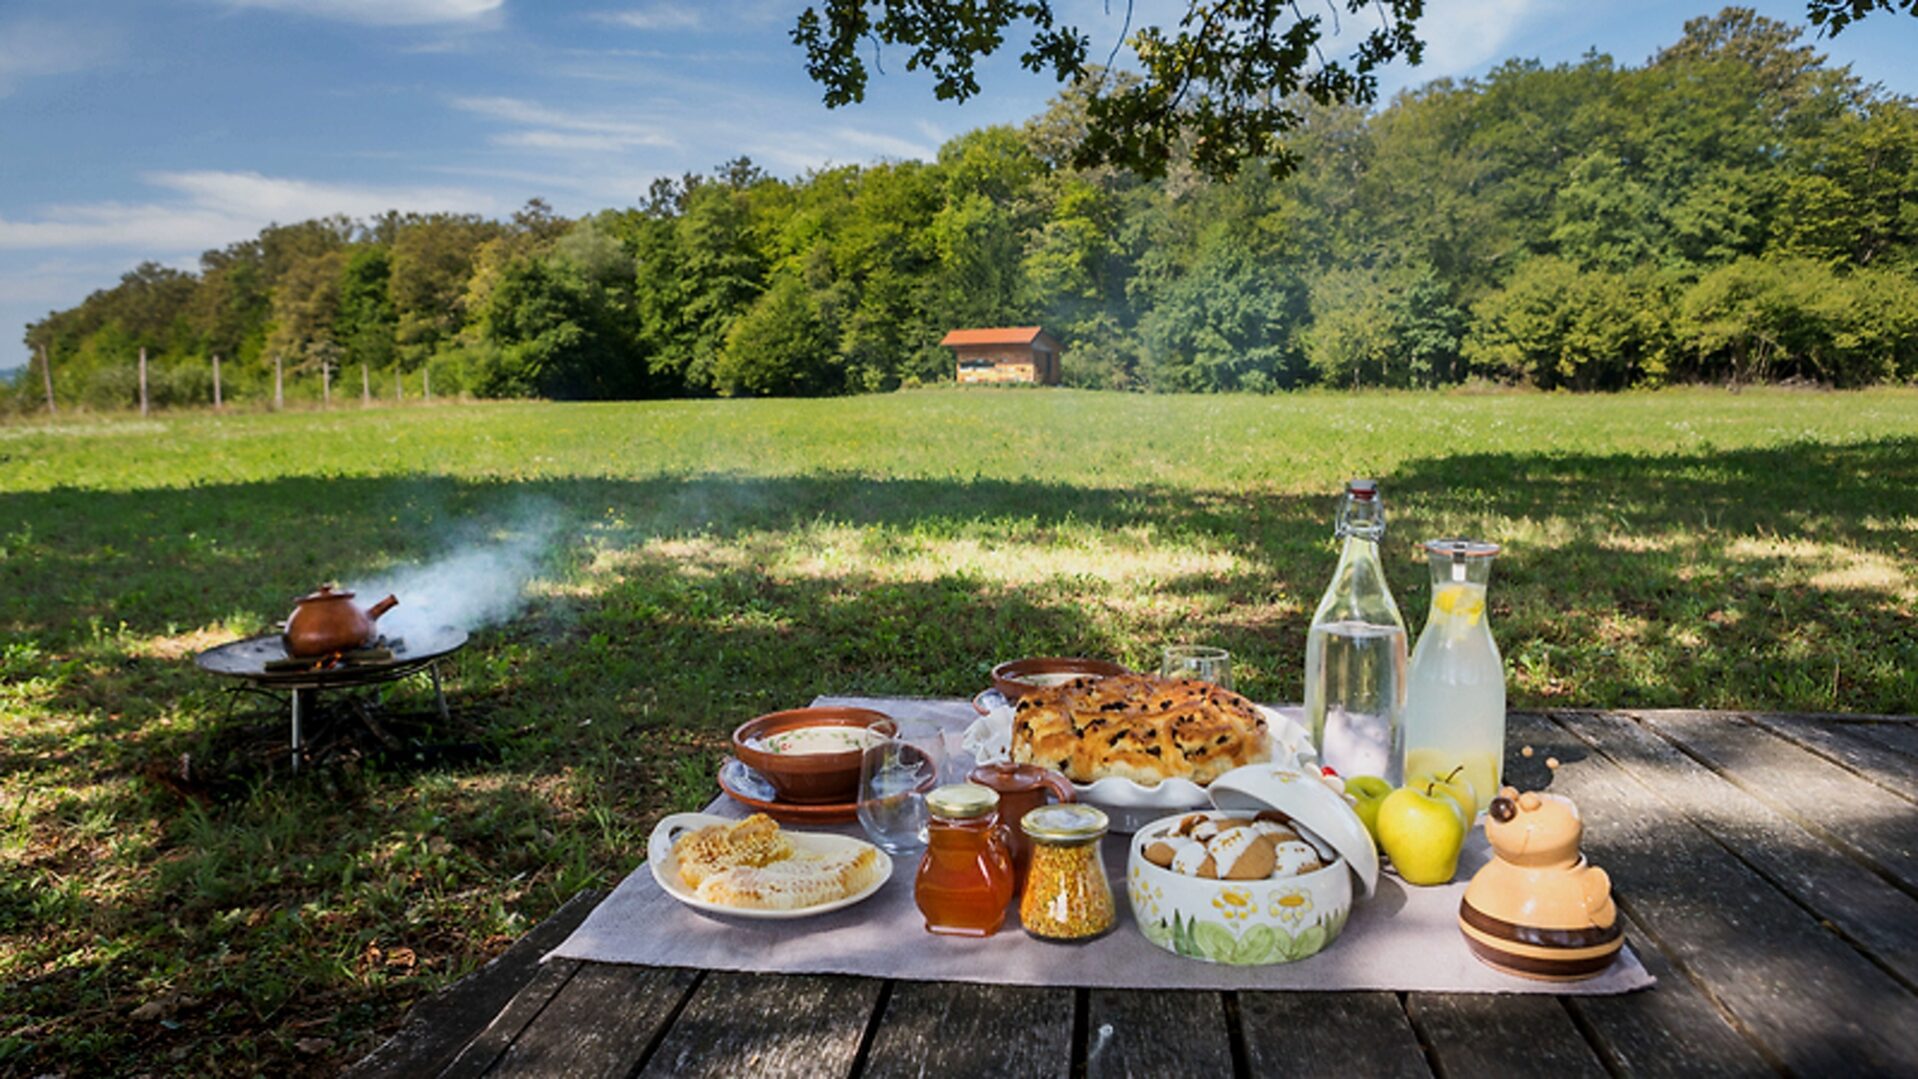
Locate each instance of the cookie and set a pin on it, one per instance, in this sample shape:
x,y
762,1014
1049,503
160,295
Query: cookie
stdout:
x,y
1292,857
1160,851
1277,832
1194,860
1243,854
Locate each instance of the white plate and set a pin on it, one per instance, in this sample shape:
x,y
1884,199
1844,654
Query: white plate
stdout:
x,y
659,855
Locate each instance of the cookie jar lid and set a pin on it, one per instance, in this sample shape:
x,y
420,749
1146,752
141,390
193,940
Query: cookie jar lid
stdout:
x,y
1310,802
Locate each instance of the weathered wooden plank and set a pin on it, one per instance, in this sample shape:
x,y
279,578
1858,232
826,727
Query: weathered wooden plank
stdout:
x,y
600,1023
1811,1002
1137,1032
1672,1030
764,1025
950,1028
1486,1034
1843,744
1824,798
1329,1034
1901,737
1857,902
439,1027
478,1056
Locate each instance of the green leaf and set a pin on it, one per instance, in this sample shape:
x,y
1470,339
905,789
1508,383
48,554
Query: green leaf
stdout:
x,y
1310,942
1258,944
1215,941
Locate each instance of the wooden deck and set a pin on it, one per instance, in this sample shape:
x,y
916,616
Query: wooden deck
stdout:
x,y
1767,866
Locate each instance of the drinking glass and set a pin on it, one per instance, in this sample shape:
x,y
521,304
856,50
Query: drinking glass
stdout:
x,y
1198,661
903,759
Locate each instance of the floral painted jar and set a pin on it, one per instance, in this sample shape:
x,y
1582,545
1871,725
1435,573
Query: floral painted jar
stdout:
x,y
1291,912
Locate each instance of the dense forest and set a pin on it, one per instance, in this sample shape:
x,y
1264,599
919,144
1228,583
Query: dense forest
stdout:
x,y
1733,210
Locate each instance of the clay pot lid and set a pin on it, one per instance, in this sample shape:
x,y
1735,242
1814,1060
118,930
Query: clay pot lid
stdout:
x,y
325,591
1308,801
1006,776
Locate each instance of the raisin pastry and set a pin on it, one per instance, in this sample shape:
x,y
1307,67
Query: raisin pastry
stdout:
x,y
1138,727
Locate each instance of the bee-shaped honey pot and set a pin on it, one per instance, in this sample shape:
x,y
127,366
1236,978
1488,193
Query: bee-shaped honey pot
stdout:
x,y
1537,909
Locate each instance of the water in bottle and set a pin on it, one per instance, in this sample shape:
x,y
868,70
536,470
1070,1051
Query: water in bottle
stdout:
x,y
1355,654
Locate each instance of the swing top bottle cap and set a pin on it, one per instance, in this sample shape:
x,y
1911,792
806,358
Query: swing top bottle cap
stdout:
x,y
1363,490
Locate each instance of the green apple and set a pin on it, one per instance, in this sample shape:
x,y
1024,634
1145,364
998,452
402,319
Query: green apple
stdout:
x,y
1421,829
1454,785
1367,792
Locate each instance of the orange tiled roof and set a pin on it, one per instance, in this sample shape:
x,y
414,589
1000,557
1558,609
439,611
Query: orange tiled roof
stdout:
x,y
1003,335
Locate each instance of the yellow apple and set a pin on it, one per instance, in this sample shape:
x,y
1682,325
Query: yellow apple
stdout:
x,y
1421,829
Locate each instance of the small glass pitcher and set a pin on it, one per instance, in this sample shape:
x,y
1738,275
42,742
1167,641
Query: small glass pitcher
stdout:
x,y
1455,699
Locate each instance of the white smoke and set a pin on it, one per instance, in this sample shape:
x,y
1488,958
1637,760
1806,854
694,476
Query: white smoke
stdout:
x,y
482,582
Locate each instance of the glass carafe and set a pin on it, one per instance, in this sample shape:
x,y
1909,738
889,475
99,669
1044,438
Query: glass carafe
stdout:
x,y
1355,651
1455,704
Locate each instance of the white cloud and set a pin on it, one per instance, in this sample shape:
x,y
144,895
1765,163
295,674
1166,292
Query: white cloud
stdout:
x,y
544,128
874,142
1461,35
654,17
209,209
383,12
33,47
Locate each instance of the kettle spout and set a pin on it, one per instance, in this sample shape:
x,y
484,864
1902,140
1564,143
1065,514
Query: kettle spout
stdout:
x,y
382,607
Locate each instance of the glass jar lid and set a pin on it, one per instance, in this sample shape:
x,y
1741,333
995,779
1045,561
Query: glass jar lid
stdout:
x,y
1065,823
962,800
1461,548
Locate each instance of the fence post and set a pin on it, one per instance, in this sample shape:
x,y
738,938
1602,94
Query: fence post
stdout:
x,y
279,384
143,380
366,387
426,382
218,403
326,384
46,371
399,386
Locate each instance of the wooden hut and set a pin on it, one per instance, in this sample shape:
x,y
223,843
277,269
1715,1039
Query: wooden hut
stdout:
x,y
1006,354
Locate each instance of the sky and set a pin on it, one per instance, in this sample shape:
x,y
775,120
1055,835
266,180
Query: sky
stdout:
x,y
157,129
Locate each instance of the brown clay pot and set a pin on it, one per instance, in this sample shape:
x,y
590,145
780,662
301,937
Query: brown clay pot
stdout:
x,y
1022,788
1016,678
328,621
806,778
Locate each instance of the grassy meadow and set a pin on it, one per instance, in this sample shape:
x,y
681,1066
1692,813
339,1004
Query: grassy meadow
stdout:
x,y
715,559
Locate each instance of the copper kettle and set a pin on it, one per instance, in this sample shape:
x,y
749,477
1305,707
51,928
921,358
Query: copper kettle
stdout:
x,y
327,621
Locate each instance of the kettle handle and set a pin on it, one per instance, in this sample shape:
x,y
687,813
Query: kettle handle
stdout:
x,y
1060,786
380,608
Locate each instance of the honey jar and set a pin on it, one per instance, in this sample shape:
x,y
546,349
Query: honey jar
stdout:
x,y
965,878
1067,896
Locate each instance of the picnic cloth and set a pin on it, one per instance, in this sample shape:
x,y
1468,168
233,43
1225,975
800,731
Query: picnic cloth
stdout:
x,y
1403,938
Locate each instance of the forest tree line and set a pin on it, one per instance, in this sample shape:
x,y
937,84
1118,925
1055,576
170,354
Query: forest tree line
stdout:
x,y
1734,209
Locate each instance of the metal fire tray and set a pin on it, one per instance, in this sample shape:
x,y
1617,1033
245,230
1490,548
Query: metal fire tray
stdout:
x,y
248,659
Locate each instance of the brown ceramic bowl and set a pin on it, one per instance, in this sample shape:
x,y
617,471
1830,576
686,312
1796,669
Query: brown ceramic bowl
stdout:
x,y
1019,677
806,778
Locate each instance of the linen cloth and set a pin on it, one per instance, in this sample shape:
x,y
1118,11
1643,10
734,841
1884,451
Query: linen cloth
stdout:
x,y
1403,938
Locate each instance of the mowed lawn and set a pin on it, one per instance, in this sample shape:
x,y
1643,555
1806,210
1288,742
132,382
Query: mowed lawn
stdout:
x,y
712,560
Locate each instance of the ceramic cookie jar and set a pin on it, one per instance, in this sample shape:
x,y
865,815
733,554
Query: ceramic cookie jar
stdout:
x,y
1538,909
1267,876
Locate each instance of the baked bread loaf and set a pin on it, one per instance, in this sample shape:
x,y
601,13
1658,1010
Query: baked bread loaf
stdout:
x,y
1138,727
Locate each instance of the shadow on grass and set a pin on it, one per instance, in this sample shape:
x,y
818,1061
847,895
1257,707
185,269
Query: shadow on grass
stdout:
x,y
678,609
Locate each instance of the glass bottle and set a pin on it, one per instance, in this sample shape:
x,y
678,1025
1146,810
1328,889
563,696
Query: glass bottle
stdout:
x,y
1355,652
964,884
1455,706
1066,894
